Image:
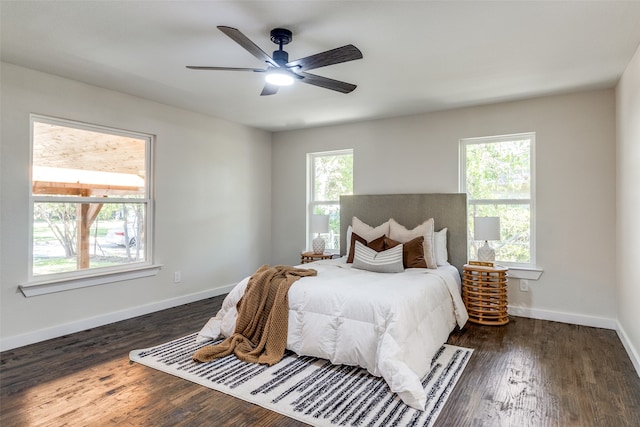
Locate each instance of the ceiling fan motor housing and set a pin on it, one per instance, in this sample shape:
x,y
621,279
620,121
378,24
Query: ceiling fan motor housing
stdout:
x,y
281,57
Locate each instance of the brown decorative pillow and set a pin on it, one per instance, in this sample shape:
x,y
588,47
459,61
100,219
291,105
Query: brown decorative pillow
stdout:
x,y
412,252
354,238
400,233
376,244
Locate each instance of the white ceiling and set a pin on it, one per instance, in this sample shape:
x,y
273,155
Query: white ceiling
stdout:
x,y
419,56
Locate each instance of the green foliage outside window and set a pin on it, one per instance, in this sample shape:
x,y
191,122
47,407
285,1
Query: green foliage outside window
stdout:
x,y
334,177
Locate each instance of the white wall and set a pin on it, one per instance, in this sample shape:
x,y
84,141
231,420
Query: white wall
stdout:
x,y
213,204
575,155
628,210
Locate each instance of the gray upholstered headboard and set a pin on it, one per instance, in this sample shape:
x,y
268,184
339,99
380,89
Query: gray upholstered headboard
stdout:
x,y
410,210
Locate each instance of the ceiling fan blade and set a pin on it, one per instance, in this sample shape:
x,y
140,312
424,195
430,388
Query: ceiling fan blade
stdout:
x,y
247,44
269,89
327,83
255,70
330,57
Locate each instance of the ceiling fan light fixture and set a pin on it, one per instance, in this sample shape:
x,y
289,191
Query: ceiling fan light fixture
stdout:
x,y
279,78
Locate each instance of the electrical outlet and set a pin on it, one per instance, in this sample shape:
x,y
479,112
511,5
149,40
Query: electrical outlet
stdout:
x,y
524,285
177,277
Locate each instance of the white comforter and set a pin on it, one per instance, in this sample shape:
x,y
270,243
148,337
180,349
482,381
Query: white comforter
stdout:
x,y
391,324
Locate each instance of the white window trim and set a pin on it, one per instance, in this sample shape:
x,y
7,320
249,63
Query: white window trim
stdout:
x,y
311,191
50,283
66,284
517,270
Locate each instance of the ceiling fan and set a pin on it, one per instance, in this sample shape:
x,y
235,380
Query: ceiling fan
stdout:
x,y
281,72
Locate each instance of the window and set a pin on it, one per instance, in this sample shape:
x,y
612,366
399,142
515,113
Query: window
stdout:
x,y
330,176
90,200
497,173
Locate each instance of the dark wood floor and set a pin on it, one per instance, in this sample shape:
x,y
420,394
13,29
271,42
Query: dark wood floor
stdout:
x,y
527,373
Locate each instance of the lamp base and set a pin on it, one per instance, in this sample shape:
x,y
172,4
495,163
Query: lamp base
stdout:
x,y
318,245
486,253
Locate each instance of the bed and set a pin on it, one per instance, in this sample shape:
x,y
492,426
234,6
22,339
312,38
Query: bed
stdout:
x,y
391,324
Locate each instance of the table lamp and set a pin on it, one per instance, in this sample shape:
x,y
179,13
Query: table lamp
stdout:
x,y
319,224
486,228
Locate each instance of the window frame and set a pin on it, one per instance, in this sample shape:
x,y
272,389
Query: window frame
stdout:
x,y
79,278
311,182
531,136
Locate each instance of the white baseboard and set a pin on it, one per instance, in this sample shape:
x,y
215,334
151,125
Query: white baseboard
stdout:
x,y
557,316
92,322
631,350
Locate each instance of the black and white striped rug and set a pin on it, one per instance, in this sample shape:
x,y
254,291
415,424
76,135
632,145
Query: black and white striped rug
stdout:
x,y
309,389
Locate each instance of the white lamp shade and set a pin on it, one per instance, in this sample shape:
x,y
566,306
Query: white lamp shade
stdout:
x,y
486,228
319,223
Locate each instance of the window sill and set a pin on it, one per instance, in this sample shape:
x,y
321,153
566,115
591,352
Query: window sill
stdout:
x,y
529,273
49,287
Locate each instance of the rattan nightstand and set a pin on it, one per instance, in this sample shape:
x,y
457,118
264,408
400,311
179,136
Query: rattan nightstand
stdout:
x,y
484,292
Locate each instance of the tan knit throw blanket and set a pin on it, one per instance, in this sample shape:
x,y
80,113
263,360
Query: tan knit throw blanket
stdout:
x,y
263,318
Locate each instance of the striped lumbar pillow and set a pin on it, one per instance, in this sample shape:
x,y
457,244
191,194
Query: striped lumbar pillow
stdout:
x,y
389,261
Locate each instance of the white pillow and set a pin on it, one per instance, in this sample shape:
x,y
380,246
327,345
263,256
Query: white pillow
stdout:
x,y
367,232
399,233
440,245
389,261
